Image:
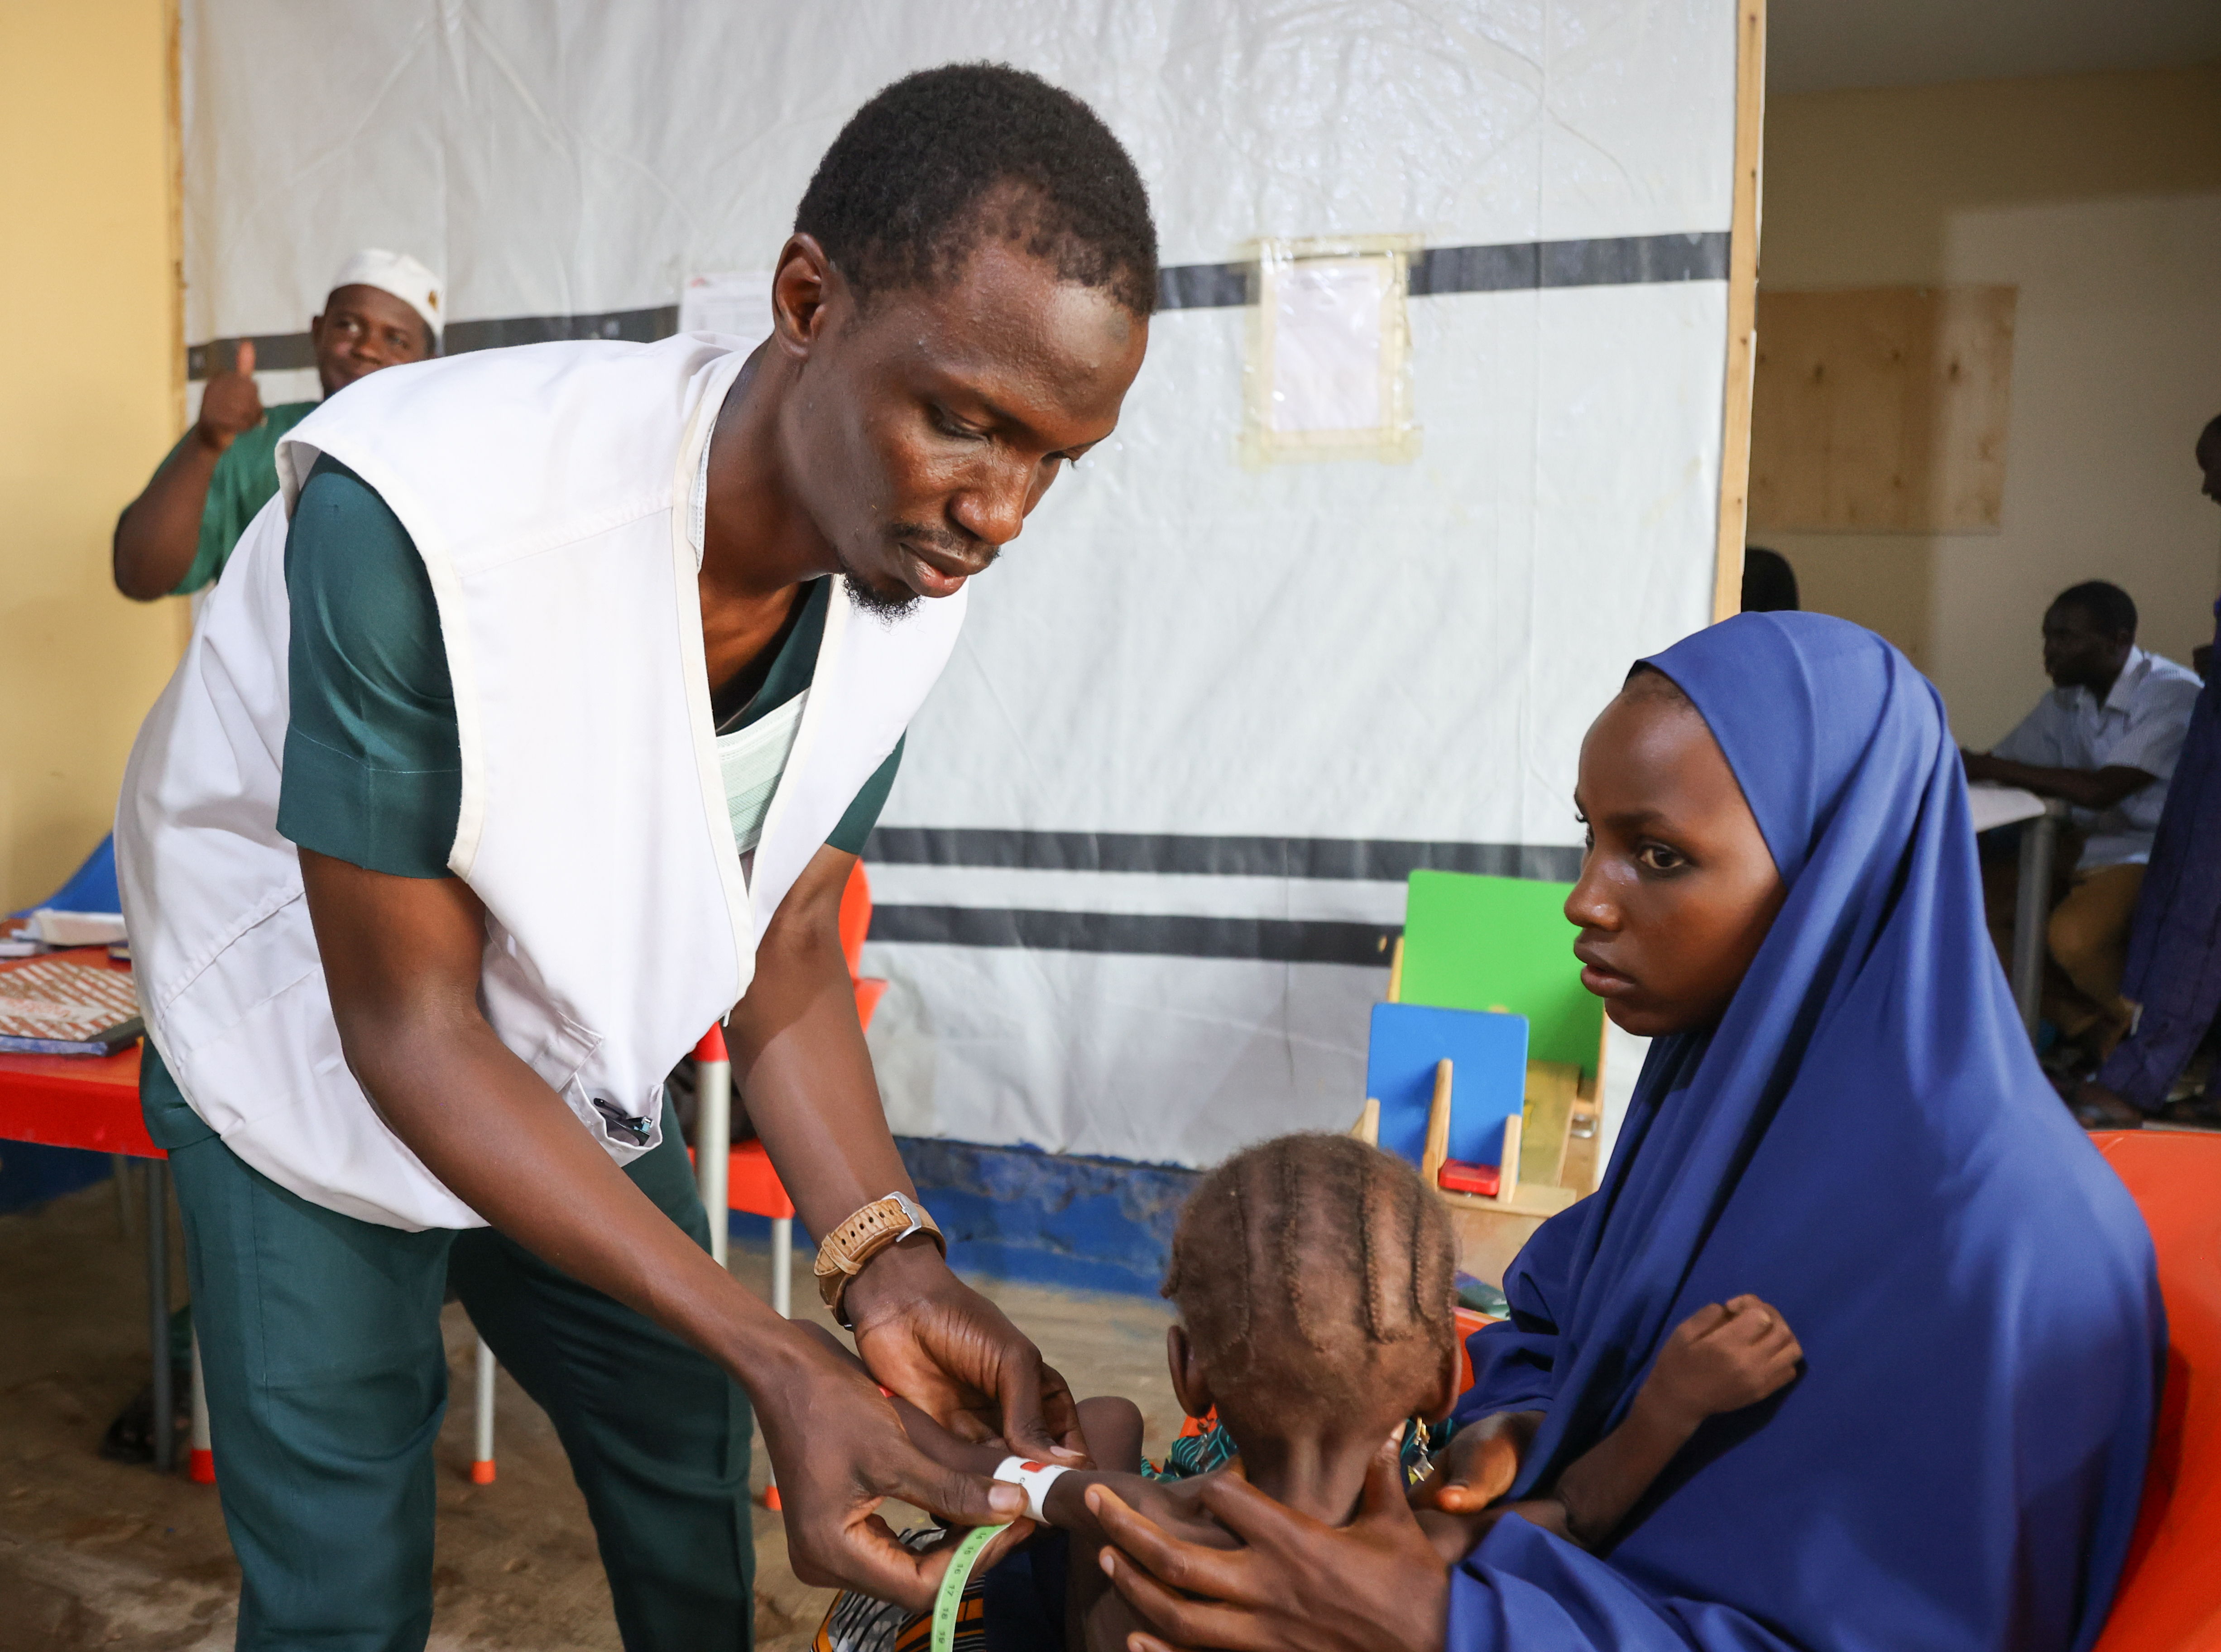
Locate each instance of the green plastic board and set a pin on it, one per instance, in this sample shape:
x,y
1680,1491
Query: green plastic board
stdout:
x,y
1472,943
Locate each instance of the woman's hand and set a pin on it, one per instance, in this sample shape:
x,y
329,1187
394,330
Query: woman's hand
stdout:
x,y
952,1354
1460,1499
1298,1584
1481,1464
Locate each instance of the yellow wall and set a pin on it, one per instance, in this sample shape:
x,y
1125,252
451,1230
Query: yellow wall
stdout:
x,y
2099,197
87,407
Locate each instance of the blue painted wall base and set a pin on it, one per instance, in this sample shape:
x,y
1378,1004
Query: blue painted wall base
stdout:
x,y
1041,1218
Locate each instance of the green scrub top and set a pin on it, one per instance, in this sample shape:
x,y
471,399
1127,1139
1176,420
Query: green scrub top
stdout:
x,y
246,476
373,764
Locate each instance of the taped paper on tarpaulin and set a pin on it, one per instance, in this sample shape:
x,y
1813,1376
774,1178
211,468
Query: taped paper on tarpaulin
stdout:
x,y
1136,881
1330,365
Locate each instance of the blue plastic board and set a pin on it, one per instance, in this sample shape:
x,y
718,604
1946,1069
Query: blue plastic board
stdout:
x,y
1488,1077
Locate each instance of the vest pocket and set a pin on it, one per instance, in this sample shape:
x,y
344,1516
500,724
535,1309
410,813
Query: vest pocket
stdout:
x,y
561,1057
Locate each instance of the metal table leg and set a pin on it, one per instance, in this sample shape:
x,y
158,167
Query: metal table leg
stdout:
x,y
158,1313
2039,845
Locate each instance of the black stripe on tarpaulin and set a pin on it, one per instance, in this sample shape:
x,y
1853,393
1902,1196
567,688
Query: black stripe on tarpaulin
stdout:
x,y
634,326
1612,261
1348,859
1281,941
279,352
1623,261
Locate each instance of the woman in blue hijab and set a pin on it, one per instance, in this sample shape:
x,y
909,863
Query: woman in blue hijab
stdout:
x,y
1840,1114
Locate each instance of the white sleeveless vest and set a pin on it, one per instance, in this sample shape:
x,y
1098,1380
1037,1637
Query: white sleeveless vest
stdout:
x,y
545,488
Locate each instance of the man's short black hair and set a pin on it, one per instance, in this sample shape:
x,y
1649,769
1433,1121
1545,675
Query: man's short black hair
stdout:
x,y
895,202
2111,608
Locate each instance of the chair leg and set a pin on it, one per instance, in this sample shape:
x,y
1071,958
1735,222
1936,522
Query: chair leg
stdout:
x,y
713,1149
782,1302
482,1458
200,1466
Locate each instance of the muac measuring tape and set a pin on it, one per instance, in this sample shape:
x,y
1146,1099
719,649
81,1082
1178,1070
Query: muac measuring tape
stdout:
x,y
950,1600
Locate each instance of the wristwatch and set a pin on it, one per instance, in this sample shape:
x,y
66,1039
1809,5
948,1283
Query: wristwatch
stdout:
x,y
884,1222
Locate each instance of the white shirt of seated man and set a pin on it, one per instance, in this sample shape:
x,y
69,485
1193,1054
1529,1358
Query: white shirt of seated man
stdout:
x,y
2140,725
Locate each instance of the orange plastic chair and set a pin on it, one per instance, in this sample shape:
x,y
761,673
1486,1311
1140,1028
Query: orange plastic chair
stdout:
x,y
856,924
2170,1595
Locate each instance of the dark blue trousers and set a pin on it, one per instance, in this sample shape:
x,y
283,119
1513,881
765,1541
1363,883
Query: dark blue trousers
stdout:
x,y
2174,942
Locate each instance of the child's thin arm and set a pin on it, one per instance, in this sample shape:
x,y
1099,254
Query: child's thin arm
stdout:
x,y
1607,1480
1065,1504
1718,1360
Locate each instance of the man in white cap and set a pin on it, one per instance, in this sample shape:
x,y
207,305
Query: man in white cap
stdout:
x,y
385,309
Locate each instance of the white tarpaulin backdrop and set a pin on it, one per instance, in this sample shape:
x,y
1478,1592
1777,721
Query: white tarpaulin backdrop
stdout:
x,y
1136,881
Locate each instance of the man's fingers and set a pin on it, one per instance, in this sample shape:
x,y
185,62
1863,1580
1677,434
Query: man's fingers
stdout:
x,y
866,1556
242,360
950,1495
1060,1416
1197,1623
997,1546
1018,1393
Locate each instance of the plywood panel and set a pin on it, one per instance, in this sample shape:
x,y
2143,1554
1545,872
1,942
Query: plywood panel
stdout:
x,y
1882,410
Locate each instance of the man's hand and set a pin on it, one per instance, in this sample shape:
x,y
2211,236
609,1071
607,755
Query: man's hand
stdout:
x,y
1721,1359
159,531
2098,789
231,405
951,1353
839,1448
1298,1584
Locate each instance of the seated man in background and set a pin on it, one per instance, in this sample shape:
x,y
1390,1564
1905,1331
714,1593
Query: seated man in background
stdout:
x,y
176,536
2105,740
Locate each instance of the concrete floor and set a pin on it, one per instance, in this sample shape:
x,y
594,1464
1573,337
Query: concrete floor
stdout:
x,y
97,1553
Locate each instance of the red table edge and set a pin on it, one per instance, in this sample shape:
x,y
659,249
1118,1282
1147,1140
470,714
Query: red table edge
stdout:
x,y
89,1102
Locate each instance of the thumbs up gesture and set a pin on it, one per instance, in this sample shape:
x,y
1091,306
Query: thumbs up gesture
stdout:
x,y
231,405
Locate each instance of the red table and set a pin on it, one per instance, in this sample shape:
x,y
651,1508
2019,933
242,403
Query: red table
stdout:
x,y
92,1101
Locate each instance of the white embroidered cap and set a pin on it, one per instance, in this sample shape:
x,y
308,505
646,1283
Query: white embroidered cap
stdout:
x,y
398,274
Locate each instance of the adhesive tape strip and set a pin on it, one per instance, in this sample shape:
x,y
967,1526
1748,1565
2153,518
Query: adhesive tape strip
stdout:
x,y
950,1600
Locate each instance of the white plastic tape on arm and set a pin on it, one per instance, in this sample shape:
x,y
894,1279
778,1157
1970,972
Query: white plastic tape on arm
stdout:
x,y
1036,1478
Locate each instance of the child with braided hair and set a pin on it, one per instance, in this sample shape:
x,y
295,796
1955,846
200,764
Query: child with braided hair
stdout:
x,y
1315,1278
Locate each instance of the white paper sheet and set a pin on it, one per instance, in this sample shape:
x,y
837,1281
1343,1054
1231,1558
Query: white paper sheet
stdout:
x,y
1327,344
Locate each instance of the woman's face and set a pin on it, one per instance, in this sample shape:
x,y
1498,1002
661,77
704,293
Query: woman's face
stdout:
x,y
1678,888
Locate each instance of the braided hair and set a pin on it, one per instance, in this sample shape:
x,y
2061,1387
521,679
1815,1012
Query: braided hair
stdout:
x,y
1307,1268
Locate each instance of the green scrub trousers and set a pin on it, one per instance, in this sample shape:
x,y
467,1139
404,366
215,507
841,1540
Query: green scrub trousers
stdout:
x,y
327,1379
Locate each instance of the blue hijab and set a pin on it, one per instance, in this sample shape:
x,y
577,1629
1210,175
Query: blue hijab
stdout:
x,y
1865,1142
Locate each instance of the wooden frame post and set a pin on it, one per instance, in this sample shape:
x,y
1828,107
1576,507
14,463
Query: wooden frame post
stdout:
x,y
1742,306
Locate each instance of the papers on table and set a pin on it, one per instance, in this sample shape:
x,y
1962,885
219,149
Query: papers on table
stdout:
x,y
1994,806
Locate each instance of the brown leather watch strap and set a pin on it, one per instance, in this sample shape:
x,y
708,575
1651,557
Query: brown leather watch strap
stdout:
x,y
841,1256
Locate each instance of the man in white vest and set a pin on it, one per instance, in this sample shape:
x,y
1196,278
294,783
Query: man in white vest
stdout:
x,y
530,731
